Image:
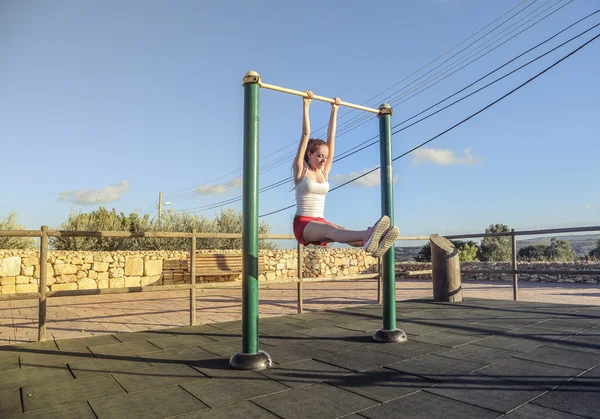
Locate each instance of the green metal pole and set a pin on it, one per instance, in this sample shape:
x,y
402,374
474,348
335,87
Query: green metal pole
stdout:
x,y
250,358
387,208
389,333
250,221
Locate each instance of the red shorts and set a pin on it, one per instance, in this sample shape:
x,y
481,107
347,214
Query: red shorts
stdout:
x,y
300,222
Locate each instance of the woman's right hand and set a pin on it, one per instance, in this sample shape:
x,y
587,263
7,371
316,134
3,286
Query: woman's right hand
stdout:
x,y
308,98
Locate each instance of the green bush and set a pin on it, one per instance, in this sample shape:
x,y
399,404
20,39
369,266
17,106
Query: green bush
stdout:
x,y
10,222
227,221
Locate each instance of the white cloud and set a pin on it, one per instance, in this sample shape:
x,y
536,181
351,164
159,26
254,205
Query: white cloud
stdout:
x,y
443,157
370,180
95,196
588,206
219,189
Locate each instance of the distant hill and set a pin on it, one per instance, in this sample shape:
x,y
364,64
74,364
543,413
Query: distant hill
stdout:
x,y
582,245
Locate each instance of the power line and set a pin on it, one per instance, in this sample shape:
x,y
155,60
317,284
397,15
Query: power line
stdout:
x,y
399,94
173,194
367,118
373,139
458,124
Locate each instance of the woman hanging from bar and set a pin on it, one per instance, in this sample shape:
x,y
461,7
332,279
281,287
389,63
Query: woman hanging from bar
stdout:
x,y
311,170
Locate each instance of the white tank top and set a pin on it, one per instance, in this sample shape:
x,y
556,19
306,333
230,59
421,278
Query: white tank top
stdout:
x,y
310,197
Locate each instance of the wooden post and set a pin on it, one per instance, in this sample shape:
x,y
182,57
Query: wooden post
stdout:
x,y
193,279
446,270
43,282
300,265
379,270
514,266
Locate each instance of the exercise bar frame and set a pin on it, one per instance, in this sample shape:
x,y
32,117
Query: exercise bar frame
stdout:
x,y
251,358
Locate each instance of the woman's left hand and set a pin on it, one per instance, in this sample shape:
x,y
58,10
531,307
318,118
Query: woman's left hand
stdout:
x,y
336,103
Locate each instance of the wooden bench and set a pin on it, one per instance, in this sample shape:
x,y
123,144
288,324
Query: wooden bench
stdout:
x,y
222,265
207,265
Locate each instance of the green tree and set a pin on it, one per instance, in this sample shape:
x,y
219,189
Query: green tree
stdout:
x,y
496,249
101,220
10,222
560,251
536,252
467,251
228,221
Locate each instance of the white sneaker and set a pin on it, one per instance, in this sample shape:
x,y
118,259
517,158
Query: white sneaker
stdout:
x,y
388,239
372,242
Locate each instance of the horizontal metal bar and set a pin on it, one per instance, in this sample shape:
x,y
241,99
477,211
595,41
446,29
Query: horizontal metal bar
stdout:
x,y
315,97
530,272
413,238
20,233
20,296
412,273
526,232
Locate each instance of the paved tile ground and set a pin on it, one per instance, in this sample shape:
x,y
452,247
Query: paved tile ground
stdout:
x,y
482,358
70,317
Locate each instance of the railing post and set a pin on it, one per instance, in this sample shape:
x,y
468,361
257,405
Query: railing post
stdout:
x,y
514,266
300,265
43,282
193,279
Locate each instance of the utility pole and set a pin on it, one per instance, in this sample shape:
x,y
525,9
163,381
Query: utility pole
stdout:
x,y
160,204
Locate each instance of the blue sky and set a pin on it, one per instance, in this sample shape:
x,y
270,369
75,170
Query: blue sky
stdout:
x,y
108,103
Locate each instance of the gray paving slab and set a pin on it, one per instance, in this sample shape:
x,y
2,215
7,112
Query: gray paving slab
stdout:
x,y
243,410
407,349
170,342
535,373
318,401
532,411
588,341
488,392
9,360
162,375
579,397
418,328
45,395
10,402
436,367
357,361
449,339
288,352
477,353
80,410
229,347
521,343
564,357
34,358
79,343
186,355
91,367
150,334
302,373
573,325
157,403
361,325
381,384
23,377
221,391
127,348
219,368
423,404
340,344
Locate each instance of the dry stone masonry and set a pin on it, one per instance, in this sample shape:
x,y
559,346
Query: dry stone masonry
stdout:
x,y
20,270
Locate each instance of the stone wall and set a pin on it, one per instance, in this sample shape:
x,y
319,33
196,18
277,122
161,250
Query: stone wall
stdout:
x,y
20,271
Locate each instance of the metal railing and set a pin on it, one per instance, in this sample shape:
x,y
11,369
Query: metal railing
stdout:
x,y
44,234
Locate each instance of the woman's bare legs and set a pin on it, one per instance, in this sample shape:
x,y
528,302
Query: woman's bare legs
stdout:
x,y
321,232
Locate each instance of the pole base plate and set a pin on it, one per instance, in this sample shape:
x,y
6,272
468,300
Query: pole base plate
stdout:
x,y
250,362
389,336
